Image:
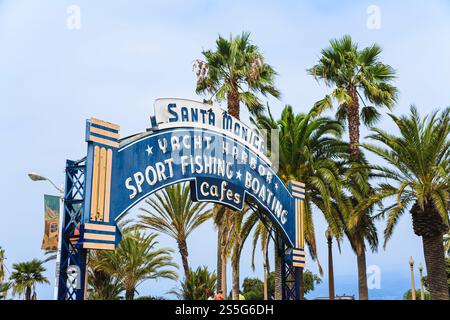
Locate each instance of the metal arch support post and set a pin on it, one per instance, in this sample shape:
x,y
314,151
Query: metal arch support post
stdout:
x,y
290,275
73,257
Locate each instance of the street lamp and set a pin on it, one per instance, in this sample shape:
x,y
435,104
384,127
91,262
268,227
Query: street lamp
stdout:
x,y
329,236
422,293
413,289
37,177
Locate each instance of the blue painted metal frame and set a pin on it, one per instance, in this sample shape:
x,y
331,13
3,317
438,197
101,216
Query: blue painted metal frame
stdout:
x,y
71,253
77,185
290,276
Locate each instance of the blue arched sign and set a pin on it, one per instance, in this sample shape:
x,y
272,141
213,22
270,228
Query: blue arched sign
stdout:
x,y
188,141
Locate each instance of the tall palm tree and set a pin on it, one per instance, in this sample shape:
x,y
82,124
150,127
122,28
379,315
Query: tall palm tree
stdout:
x,y
356,76
197,285
102,285
172,212
235,71
137,259
313,153
26,276
418,180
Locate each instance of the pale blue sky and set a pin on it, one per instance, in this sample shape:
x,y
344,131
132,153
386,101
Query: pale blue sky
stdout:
x,y
128,53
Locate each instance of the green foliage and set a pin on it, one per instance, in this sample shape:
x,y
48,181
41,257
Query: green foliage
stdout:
x,y
172,212
102,285
236,65
4,288
312,152
343,66
137,259
310,280
197,285
408,296
253,288
26,276
418,165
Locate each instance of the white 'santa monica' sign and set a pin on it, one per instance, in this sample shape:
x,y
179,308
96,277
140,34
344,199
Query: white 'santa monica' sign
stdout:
x,y
173,112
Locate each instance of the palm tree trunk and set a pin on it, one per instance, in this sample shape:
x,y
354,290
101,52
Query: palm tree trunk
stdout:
x,y
233,103
266,274
433,250
28,293
278,266
266,287
353,122
182,247
129,294
219,258
428,224
224,273
362,273
235,268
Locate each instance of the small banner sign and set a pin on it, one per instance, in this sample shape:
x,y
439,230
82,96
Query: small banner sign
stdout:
x,y
51,218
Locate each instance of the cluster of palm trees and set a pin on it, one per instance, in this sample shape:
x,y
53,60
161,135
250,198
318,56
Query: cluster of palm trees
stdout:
x,y
410,174
347,189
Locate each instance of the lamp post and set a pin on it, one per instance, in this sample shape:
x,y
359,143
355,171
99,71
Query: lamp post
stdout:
x,y
37,177
422,292
413,289
329,236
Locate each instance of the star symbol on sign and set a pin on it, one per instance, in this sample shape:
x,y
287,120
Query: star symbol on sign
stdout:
x,y
149,150
238,174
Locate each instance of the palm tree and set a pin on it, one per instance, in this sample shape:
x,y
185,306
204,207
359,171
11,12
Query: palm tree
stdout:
x,y
102,285
313,153
173,213
234,71
356,76
418,180
4,288
197,285
137,259
362,235
26,276
262,234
